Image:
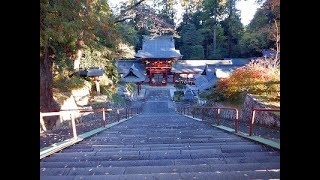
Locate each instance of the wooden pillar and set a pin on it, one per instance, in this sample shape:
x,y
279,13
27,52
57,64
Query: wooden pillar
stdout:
x,y
139,87
150,77
166,75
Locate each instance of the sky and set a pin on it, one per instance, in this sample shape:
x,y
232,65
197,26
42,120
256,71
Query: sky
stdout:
x,y
247,8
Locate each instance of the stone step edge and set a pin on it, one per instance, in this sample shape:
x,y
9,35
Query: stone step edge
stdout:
x,y
244,174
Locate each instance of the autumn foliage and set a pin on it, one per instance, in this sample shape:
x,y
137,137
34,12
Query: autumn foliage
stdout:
x,y
260,77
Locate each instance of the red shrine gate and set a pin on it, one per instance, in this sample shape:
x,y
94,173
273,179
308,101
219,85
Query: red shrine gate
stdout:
x,y
158,72
158,53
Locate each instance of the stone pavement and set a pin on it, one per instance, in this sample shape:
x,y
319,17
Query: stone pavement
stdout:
x,y
161,144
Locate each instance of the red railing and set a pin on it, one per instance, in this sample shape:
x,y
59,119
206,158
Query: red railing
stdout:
x,y
253,114
182,110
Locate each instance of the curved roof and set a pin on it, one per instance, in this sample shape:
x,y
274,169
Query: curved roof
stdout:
x,y
123,66
133,75
158,47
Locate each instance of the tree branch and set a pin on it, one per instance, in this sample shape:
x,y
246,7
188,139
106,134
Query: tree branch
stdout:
x,y
131,7
135,5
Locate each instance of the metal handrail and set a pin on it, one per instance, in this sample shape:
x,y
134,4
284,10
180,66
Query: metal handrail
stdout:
x,y
128,113
182,111
253,114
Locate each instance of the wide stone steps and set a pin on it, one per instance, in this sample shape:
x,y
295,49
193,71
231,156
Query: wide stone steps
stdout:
x,y
153,148
245,175
104,162
170,150
159,144
193,158
100,170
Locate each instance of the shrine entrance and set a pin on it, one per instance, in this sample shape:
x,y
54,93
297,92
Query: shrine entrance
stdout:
x,y
158,79
158,73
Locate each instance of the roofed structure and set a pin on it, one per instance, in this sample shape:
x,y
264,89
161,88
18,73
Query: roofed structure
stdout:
x,y
209,76
158,47
133,75
123,66
267,53
197,66
161,63
188,95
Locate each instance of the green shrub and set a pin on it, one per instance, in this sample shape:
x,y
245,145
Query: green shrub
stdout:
x,y
64,83
179,86
177,96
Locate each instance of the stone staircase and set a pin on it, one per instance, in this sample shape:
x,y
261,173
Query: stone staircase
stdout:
x,y
160,144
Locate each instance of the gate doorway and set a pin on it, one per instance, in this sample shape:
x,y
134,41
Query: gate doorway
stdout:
x,y
158,79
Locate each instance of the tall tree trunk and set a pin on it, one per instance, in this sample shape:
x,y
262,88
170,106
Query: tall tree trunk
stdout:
x,y
76,63
229,44
215,34
47,103
277,40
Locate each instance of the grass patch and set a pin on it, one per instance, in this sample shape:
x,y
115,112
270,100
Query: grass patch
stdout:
x,y
269,103
266,101
233,104
60,96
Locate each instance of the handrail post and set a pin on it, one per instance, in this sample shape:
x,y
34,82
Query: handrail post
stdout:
x,y
103,117
252,121
193,111
184,110
74,130
126,113
42,123
202,114
218,117
118,115
236,121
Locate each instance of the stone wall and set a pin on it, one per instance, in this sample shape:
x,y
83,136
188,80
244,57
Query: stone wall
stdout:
x,y
263,118
224,113
77,99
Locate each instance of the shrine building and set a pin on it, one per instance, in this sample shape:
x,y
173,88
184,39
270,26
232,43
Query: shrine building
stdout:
x,y
159,63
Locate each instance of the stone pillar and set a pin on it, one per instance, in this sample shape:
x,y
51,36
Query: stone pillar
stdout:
x,y
96,80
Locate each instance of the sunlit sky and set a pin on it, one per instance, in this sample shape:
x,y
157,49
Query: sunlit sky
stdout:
x,y
247,8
